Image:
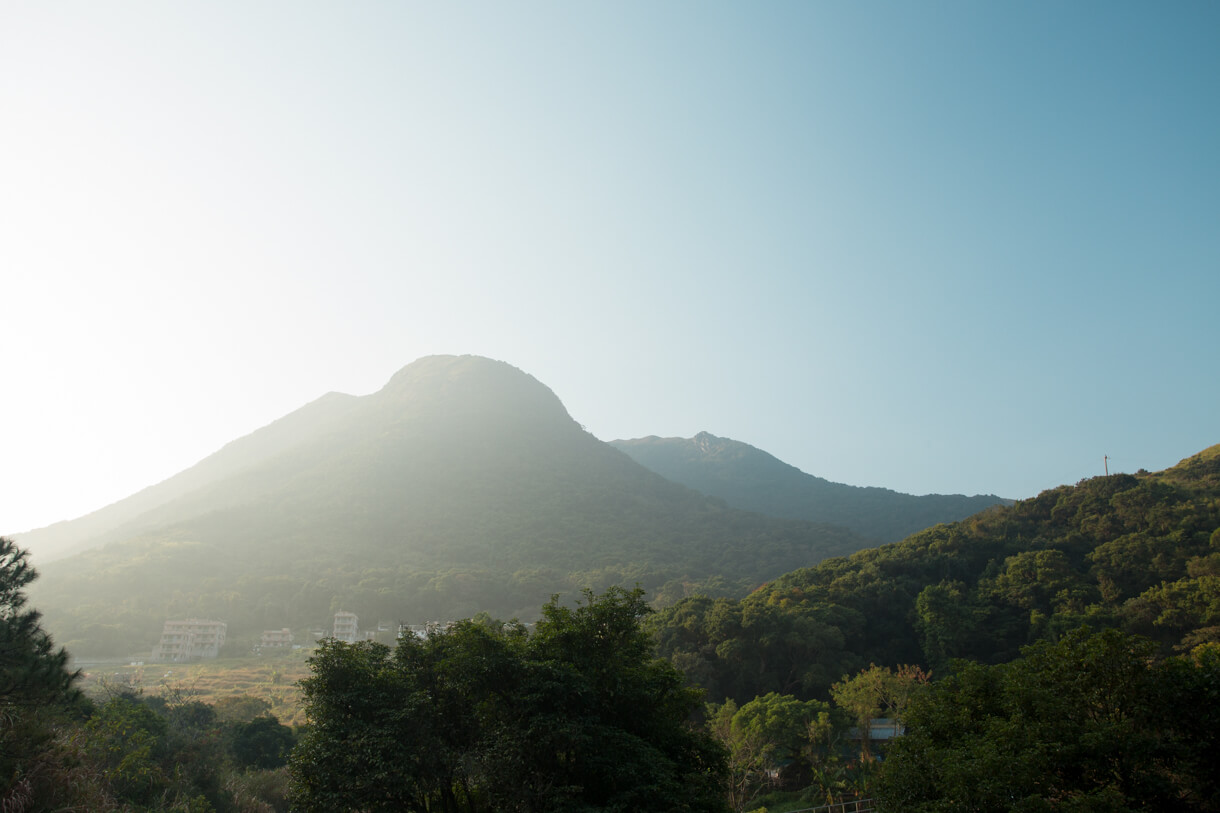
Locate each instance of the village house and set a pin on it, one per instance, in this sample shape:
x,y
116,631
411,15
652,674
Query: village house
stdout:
x,y
275,639
190,639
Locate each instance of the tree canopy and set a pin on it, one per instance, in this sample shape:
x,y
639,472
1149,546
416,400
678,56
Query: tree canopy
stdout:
x,y
34,678
577,715
1093,722
32,670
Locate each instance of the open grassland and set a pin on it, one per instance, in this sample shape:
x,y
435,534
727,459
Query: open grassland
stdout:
x,y
271,678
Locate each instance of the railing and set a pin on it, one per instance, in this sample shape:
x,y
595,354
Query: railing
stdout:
x,y
854,806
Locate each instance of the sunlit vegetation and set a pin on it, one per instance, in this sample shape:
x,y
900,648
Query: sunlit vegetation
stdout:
x,y
270,681
1057,654
1032,710
1133,552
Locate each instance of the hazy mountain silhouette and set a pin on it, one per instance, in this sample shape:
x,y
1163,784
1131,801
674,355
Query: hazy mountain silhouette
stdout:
x,y
750,479
459,465
138,513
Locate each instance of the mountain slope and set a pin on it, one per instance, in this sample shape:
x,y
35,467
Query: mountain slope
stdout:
x,y
119,520
1139,552
751,479
462,485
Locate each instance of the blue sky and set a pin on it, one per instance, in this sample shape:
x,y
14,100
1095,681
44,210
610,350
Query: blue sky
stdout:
x,y
937,247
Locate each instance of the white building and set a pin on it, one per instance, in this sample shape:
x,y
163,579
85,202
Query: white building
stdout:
x,y
190,639
275,639
345,627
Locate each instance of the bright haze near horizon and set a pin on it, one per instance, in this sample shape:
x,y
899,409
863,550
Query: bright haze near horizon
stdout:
x,y
936,247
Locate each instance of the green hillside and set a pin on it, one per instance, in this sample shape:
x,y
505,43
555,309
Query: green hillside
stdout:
x,y
750,479
462,486
1138,552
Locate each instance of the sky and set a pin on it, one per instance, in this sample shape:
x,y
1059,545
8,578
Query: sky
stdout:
x,y
940,247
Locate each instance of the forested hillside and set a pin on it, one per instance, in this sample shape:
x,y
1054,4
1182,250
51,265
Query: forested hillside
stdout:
x,y
749,478
462,486
1137,552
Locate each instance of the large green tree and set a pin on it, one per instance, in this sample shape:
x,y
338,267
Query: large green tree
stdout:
x,y
878,691
32,671
771,739
577,715
34,683
1091,723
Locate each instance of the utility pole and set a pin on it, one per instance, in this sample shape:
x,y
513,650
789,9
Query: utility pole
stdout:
x,y
1106,460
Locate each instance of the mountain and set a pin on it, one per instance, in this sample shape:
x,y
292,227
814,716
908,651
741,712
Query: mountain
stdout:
x,y
132,515
463,485
1137,552
750,479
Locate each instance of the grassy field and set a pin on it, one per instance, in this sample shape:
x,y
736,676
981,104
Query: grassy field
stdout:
x,y
272,678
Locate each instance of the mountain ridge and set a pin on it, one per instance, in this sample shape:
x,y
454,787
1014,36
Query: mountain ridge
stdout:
x,y
462,485
754,480
1135,552
107,523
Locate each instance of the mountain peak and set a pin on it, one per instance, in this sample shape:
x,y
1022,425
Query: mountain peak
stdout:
x,y
462,485
472,385
438,370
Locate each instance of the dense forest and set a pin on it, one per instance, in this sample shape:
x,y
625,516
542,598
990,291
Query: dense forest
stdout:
x,y
1135,552
575,715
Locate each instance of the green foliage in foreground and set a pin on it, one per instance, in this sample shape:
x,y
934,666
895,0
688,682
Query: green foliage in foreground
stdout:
x,y
59,751
1092,723
35,684
135,754
32,671
768,737
576,716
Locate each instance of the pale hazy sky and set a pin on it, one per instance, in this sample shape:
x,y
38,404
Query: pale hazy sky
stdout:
x,y
938,247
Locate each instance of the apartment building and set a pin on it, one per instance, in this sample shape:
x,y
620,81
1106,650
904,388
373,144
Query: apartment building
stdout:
x,y
345,627
190,639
